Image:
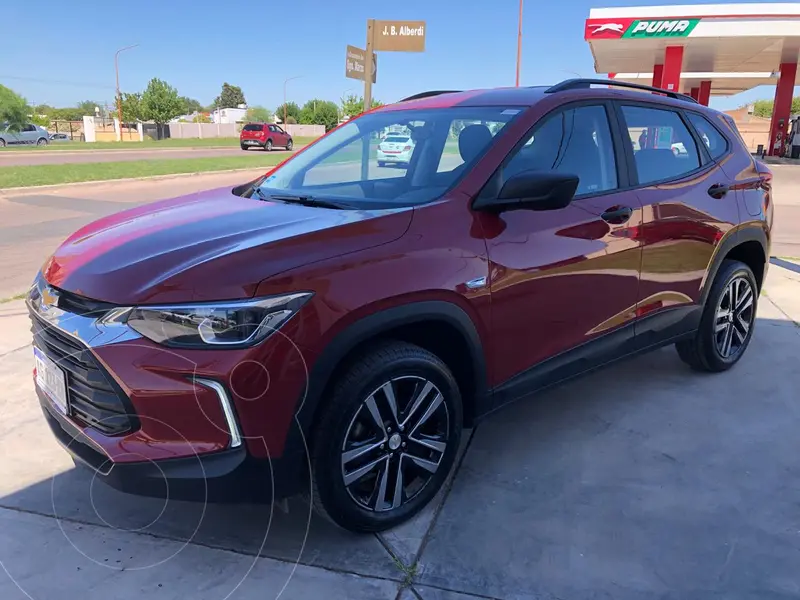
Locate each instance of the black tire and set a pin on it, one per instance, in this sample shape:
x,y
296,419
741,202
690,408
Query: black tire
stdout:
x,y
289,145
41,142
2,143
243,147
268,146
381,163
703,352
408,370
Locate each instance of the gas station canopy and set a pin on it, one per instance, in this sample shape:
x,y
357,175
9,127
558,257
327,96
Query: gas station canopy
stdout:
x,y
719,49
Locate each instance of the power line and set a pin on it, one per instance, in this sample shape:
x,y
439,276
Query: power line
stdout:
x,y
59,82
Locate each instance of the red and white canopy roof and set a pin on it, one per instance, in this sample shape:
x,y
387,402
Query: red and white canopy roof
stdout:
x,y
736,46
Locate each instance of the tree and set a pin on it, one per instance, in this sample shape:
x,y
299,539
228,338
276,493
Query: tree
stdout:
x,y
87,107
43,109
353,105
190,105
201,118
160,103
258,114
131,107
320,112
230,97
68,114
14,109
292,112
763,108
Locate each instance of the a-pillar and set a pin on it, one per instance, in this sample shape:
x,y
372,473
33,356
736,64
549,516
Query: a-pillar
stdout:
x,y
695,93
673,63
658,72
782,108
704,94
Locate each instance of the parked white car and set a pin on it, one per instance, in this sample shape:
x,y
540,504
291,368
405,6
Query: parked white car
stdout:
x,y
395,150
28,134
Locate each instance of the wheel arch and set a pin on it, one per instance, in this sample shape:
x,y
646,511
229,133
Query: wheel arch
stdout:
x,y
749,244
441,327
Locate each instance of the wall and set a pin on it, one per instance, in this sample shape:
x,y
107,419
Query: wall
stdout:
x,y
306,130
754,130
203,130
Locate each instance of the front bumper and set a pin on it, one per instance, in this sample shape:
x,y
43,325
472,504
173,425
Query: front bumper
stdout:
x,y
205,425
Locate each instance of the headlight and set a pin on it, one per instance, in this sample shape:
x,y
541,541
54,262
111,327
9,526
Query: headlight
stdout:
x,y
227,324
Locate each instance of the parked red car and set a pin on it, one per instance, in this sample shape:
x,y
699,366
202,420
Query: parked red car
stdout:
x,y
332,326
264,135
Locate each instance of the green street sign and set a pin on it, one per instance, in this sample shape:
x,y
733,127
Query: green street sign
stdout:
x,y
660,28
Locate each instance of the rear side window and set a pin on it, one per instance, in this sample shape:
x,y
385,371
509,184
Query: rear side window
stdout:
x,y
663,147
575,141
715,142
253,127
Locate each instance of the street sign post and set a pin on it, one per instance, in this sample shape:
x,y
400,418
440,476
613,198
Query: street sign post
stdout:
x,y
355,66
386,36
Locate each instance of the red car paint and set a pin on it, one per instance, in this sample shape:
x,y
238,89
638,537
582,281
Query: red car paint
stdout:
x,y
556,279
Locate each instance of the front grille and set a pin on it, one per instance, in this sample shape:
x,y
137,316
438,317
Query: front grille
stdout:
x,y
78,305
94,398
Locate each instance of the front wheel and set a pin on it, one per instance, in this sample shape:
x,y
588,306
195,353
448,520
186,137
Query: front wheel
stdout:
x,y
2,143
268,146
289,145
728,320
387,438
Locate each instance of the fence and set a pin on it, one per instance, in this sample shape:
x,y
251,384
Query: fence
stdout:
x,y
73,130
199,130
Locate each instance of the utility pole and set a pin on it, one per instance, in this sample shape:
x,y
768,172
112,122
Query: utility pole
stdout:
x,y
368,65
119,95
519,40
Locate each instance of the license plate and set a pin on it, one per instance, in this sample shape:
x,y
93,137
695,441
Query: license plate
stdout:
x,y
52,380
250,142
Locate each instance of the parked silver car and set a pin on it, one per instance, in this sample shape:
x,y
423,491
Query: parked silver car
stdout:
x,y
28,134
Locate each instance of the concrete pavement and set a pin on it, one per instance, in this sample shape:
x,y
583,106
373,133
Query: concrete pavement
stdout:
x,y
642,480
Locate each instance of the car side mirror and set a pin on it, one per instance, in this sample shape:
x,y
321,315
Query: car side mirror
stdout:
x,y
532,190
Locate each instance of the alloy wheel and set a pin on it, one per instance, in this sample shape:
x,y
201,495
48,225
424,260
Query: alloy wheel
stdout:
x,y
395,443
734,317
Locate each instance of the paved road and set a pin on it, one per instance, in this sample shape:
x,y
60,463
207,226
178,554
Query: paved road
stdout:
x,y
56,157
593,489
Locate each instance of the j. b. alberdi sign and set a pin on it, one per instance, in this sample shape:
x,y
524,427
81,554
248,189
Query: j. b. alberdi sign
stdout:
x,y
598,29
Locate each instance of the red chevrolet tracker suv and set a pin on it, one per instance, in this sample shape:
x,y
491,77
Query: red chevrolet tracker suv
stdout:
x,y
331,327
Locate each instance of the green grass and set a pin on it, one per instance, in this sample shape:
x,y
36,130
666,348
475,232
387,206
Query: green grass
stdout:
x,y
12,298
31,175
147,144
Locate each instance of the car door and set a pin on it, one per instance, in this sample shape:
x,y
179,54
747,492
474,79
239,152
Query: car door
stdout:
x,y
28,134
282,138
563,281
686,212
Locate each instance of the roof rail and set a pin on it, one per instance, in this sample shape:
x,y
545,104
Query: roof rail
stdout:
x,y
577,84
429,94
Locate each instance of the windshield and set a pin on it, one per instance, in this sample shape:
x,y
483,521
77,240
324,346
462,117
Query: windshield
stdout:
x,y
349,165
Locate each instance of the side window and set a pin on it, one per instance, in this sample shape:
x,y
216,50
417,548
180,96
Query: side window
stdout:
x,y
29,127
715,142
458,149
663,148
273,128
575,141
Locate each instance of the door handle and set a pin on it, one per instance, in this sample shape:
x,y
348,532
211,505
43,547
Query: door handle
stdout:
x,y
617,215
718,190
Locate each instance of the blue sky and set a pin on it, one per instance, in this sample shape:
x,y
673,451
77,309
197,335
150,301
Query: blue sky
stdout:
x,y
195,46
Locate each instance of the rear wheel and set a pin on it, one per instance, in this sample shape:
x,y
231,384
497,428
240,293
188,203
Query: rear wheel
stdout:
x,y
387,438
41,142
381,163
2,143
268,146
243,147
728,320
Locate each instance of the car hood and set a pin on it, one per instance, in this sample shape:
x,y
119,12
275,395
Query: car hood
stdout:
x,y
213,245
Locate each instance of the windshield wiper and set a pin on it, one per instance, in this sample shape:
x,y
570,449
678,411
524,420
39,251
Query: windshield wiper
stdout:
x,y
299,199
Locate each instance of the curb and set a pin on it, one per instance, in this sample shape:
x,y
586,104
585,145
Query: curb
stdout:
x,y
14,190
98,150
